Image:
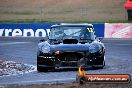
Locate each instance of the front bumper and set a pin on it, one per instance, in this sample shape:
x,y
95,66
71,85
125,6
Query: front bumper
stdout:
x,y
69,59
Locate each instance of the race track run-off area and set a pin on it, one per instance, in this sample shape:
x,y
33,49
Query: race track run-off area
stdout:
x,y
118,61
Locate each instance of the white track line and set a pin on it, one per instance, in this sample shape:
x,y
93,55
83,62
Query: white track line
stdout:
x,y
13,43
50,81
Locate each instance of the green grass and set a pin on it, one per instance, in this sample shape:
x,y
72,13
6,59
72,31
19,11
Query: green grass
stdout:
x,y
39,20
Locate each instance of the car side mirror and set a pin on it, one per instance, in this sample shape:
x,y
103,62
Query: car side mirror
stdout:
x,y
42,40
49,34
99,39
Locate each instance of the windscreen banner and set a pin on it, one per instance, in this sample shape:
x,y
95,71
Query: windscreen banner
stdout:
x,y
36,29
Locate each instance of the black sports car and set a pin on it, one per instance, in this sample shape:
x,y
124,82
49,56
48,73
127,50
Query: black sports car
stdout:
x,y
70,45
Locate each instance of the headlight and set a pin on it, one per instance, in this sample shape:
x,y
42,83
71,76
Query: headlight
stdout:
x,y
46,47
93,48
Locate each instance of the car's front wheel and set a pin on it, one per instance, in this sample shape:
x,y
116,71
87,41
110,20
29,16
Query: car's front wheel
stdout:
x,y
44,69
101,63
41,67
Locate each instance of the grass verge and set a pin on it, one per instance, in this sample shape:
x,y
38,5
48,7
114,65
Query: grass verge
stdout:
x,y
41,20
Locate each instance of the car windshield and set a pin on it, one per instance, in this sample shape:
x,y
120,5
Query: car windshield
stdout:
x,y
71,32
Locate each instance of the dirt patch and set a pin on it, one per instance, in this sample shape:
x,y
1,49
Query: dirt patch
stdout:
x,y
75,85
8,68
63,10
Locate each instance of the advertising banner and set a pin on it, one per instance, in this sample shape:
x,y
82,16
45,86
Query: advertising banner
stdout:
x,y
99,29
118,30
36,29
24,29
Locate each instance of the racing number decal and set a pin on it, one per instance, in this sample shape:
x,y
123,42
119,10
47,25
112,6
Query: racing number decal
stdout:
x,y
90,29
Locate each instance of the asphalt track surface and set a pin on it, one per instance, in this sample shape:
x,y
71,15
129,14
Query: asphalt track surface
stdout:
x,y
118,61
